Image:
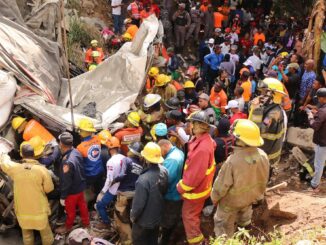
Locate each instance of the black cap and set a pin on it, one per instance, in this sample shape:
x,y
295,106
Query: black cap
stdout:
x,y
27,151
321,93
174,114
66,138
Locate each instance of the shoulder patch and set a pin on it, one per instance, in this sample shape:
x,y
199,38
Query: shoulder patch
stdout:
x,y
65,168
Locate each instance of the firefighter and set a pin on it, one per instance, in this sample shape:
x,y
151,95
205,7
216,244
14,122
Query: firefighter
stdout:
x,y
131,132
266,111
164,88
132,167
196,183
152,74
90,149
28,129
32,182
151,113
242,179
94,55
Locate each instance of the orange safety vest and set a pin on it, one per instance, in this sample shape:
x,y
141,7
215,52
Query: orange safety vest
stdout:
x,y
135,10
286,103
34,128
177,85
89,58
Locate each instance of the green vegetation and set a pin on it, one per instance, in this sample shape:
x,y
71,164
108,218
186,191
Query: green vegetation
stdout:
x,y
242,237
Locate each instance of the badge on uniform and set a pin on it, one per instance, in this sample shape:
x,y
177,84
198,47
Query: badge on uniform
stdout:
x,y
65,168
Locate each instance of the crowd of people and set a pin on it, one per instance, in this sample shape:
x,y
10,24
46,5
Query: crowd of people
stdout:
x,y
208,134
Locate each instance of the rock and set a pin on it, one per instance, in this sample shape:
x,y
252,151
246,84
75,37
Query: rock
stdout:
x,y
93,21
301,137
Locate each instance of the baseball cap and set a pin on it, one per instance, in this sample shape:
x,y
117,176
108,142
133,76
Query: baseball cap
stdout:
x,y
271,73
66,138
218,30
204,96
211,41
232,104
293,65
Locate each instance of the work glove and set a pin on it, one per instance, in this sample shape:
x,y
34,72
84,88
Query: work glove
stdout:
x,y
99,196
62,202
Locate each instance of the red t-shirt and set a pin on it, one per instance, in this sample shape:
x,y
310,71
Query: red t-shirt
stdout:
x,y
239,115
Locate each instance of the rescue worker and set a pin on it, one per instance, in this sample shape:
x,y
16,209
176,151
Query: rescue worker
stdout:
x,y
182,21
151,113
72,183
130,28
173,162
90,149
266,111
28,129
191,97
159,131
241,181
152,74
172,104
148,202
164,88
104,135
109,190
89,57
131,132
132,167
32,182
196,183
134,9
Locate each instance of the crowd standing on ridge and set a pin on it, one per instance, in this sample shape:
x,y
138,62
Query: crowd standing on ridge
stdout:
x,y
209,130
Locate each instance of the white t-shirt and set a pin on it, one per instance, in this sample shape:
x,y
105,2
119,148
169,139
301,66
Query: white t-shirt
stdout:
x,y
234,58
113,168
225,48
117,10
256,62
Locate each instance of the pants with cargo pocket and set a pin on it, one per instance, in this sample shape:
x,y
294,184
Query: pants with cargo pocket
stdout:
x,y
224,222
46,236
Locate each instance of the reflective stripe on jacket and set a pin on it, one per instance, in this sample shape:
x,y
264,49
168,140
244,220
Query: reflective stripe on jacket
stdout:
x,y
199,169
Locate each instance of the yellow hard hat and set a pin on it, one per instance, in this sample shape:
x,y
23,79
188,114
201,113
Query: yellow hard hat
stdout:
x,y
151,99
153,71
126,36
134,118
152,153
113,142
17,122
248,132
284,54
38,145
104,135
189,84
87,125
94,43
92,67
276,87
161,80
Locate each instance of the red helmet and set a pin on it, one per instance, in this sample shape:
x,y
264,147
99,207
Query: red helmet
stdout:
x,y
192,70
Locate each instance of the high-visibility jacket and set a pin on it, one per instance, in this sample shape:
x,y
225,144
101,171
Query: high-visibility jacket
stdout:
x,y
135,11
218,100
150,84
132,30
199,169
272,129
89,59
165,92
90,149
32,182
34,128
242,179
127,136
286,102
